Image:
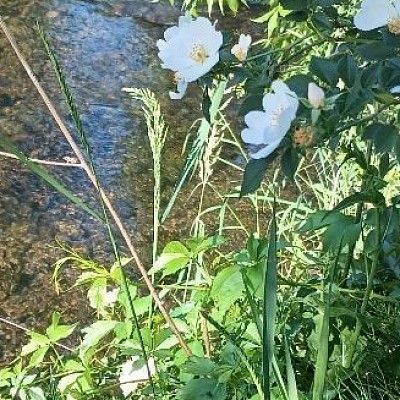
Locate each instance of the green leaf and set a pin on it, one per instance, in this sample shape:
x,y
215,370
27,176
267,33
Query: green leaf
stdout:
x,y
289,162
384,137
38,356
290,374
375,51
254,174
343,229
35,393
325,69
299,84
203,389
227,288
361,197
295,5
347,69
198,366
56,332
251,103
93,334
340,228
174,257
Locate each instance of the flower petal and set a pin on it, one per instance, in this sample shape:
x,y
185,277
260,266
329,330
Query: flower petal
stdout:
x,y
181,90
267,150
374,14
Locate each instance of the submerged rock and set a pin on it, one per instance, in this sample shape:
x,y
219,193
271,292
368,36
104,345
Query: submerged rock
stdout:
x,y
154,13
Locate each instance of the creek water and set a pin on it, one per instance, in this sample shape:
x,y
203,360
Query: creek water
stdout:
x,y
103,46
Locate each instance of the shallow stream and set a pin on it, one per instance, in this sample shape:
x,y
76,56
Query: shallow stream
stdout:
x,y
103,46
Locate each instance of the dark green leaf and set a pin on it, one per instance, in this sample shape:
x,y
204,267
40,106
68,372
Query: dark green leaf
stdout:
x,y
251,103
289,162
269,307
325,69
299,84
348,70
384,137
254,174
294,4
206,104
375,51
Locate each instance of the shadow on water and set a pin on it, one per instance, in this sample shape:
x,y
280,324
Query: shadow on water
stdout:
x,y
103,46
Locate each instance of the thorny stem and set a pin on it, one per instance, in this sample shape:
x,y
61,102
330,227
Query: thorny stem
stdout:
x,y
352,123
93,179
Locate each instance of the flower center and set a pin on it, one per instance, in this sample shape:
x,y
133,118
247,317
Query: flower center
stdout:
x,y
276,114
177,77
304,136
394,25
198,53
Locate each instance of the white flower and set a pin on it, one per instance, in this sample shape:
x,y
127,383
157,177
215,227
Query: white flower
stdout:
x,y
190,49
395,89
240,49
110,297
316,95
267,128
377,13
131,376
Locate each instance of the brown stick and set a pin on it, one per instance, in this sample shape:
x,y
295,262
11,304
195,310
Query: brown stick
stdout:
x,y
206,337
93,179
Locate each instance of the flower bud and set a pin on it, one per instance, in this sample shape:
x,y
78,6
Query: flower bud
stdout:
x,y
316,95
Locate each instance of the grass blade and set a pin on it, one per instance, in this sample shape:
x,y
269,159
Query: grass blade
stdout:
x,y
269,307
67,93
290,376
197,147
321,365
44,174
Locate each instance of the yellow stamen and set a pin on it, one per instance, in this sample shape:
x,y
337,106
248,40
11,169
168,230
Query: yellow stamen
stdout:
x,y
177,77
240,54
275,115
198,53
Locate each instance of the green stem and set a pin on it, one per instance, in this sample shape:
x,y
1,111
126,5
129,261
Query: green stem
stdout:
x,y
368,290
358,215
359,121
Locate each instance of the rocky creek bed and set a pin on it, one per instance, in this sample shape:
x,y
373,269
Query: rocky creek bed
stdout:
x,y
103,46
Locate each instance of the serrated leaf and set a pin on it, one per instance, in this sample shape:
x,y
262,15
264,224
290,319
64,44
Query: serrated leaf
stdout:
x,y
375,51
